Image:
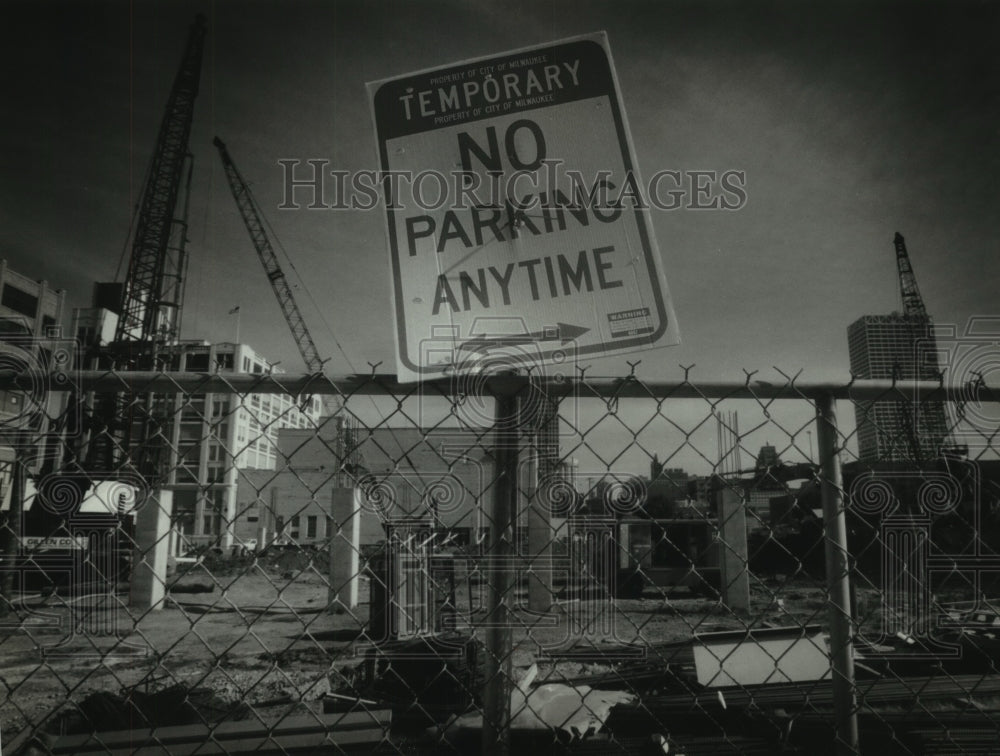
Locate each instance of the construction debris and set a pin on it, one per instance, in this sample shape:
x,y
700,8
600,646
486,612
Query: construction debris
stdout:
x,y
176,705
761,655
426,679
576,710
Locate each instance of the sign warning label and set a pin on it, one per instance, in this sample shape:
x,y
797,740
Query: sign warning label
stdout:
x,y
514,213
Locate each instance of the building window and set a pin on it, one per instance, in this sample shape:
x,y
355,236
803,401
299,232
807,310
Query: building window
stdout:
x,y
250,511
311,526
224,361
295,522
19,301
197,363
188,452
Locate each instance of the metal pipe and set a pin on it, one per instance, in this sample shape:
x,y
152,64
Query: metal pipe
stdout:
x,y
594,388
499,636
837,578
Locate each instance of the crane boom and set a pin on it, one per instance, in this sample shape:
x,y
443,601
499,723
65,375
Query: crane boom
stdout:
x,y
924,422
154,282
283,292
913,303
126,429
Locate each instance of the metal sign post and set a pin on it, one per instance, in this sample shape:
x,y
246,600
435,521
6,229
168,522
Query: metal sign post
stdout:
x,y
500,552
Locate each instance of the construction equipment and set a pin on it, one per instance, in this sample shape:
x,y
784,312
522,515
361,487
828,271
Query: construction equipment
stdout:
x,y
347,450
279,283
154,285
923,422
117,436
127,430
913,303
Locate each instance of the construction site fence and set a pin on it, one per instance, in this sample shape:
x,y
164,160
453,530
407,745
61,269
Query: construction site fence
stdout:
x,y
470,564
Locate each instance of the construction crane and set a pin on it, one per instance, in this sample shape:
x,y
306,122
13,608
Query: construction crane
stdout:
x,y
283,291
127,432
921,421
154,284
913,303
279,283
116,436
346,444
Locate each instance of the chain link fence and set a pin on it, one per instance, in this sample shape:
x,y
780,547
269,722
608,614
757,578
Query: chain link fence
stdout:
x,y
498,563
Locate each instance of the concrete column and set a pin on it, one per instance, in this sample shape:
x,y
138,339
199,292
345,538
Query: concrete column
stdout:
x,y
344,538
149,571
540,552
733,557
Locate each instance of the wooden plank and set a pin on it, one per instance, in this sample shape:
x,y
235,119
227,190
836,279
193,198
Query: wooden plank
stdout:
x,y
260,746
323,723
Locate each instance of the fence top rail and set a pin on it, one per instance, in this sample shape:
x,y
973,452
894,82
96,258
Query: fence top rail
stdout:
x,y
380,384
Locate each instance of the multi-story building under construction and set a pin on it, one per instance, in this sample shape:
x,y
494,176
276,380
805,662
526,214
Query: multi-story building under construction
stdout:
x,y
901,427
898,428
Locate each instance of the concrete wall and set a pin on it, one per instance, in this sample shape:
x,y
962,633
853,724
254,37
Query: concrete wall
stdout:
x,y
407,471
264,496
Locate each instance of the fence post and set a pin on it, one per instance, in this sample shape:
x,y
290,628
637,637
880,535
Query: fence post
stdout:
x,y
499,636
837,577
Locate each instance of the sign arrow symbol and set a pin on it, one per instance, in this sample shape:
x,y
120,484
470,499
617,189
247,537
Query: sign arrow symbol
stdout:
x,y
563,333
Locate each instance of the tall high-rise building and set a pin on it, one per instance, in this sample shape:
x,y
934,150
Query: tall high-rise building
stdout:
x,y
898,428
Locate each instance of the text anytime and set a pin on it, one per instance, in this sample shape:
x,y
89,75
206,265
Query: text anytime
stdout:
x,y
561,278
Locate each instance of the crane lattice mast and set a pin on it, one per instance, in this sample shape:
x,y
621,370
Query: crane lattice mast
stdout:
x,y
154,283
924,423
268,258
347,450
913,303
126,430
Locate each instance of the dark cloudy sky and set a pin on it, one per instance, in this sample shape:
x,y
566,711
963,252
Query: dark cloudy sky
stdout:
x,y
851,121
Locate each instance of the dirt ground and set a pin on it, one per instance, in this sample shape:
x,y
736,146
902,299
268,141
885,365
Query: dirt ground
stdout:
x,y
265,636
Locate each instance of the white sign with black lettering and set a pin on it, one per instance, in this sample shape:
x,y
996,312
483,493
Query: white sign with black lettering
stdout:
x,y
516,224
53,543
